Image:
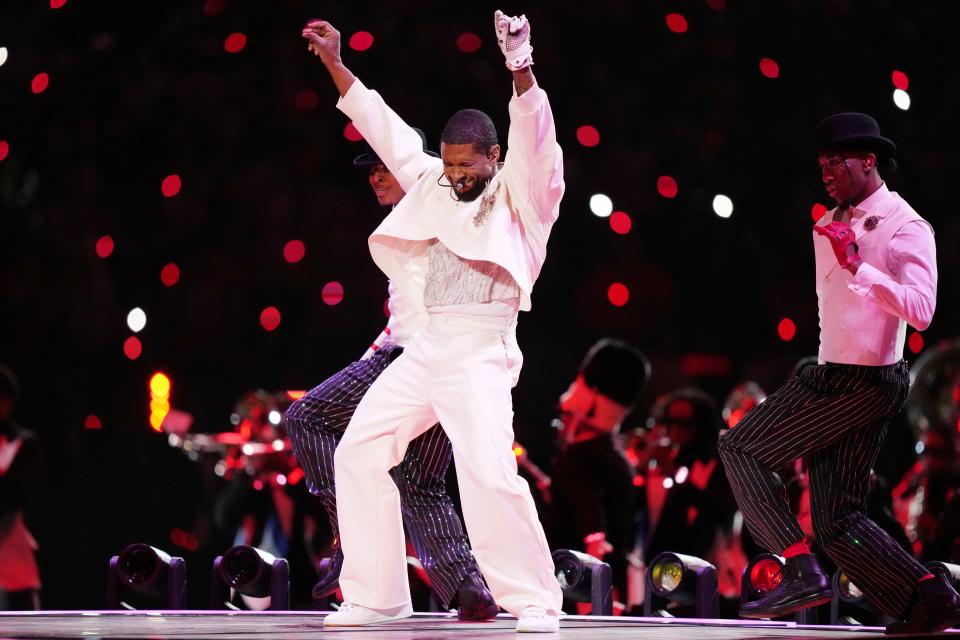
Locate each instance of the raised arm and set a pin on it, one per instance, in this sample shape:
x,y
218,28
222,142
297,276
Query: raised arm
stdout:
x,y
397,144
324,42
534,161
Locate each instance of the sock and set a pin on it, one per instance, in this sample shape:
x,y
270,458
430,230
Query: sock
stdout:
x,y
796,549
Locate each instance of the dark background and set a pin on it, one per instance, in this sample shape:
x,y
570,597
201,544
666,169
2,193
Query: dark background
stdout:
x,y
140,91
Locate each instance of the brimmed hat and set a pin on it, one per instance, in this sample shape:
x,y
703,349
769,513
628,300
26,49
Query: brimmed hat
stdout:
x,y
856,130
370,157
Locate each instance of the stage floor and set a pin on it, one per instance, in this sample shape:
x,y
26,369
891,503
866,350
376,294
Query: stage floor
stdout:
x,y
186,625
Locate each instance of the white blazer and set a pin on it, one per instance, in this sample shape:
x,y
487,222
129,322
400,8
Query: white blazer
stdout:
x,y
514,234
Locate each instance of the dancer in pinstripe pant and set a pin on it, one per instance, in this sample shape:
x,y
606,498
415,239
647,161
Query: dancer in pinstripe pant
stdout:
x,y
317,421
875,273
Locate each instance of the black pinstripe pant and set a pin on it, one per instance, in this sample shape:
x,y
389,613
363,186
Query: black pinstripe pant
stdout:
x,y
836,417
316,423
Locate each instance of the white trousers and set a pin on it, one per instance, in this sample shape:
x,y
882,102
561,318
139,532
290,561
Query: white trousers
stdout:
x,y
459,370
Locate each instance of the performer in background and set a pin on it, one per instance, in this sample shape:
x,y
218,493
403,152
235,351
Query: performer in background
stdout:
x,y
317,421
876,272
20,460
467,243
593,489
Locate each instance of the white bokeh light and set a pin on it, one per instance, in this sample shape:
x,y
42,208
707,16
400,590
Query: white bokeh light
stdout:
x,y
136,319
722,206
274,417
601,205
3,55
901,98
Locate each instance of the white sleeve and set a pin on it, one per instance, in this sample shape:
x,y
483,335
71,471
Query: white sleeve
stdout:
x,y
397,144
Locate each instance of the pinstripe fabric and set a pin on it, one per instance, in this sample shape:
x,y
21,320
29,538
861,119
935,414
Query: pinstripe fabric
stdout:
x,y
835,416
316,423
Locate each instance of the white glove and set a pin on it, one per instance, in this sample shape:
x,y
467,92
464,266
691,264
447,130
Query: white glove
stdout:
x,y
513,36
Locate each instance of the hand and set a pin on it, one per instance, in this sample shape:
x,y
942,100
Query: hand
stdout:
x,y
843,241
513,36
324,40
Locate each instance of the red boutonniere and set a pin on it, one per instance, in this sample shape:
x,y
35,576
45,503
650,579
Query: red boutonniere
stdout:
x,y
871,223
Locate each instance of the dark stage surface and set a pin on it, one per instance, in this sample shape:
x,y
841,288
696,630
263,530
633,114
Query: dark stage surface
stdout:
x,y
277,626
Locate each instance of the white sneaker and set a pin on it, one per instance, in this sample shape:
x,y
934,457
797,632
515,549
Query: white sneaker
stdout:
x,y
353,615
538,620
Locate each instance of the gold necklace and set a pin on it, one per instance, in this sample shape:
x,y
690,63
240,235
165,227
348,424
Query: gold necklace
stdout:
x,y
487,201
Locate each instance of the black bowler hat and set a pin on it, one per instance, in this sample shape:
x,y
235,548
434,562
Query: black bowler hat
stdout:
x,y
854,130
370,157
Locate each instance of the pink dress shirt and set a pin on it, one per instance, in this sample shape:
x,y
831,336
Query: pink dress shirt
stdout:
x,y
863,317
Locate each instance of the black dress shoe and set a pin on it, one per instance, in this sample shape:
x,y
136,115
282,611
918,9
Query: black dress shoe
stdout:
x,y
329,572
475,600
802,584
936,606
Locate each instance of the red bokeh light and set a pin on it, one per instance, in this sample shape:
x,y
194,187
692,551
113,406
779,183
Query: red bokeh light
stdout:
x,y
676,23
588,136
294,251
468,42
184,539
40,83
667,187
332,293
361,41
817,211
171,185
718,5
92,422
786,329
915,342
56,4
900,80
769,67
350,133
270,318
132,347
214,7
618,294
235,42
4,149
104,246
620,222
170,274
307,100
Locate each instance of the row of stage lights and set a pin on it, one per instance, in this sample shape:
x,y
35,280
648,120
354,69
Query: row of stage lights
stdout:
x,y
142,576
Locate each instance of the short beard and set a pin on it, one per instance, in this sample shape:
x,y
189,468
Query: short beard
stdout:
x,y
469,196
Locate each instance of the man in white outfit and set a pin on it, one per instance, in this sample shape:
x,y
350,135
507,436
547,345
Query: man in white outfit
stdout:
x,y
467,243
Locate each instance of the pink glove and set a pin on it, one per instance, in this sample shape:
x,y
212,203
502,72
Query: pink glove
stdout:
x,y
841,238
513,36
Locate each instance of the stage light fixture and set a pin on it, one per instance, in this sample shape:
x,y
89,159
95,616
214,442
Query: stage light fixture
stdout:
x,y
685,580
845,591
584,578
253,573
761,576
144,577
949,571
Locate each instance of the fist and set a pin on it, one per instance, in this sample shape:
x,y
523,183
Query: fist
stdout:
x,y
323,40
513,36
842,241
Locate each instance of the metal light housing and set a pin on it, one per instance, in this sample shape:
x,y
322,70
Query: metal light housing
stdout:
x,y
251,572
683,579
142,576
584,578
